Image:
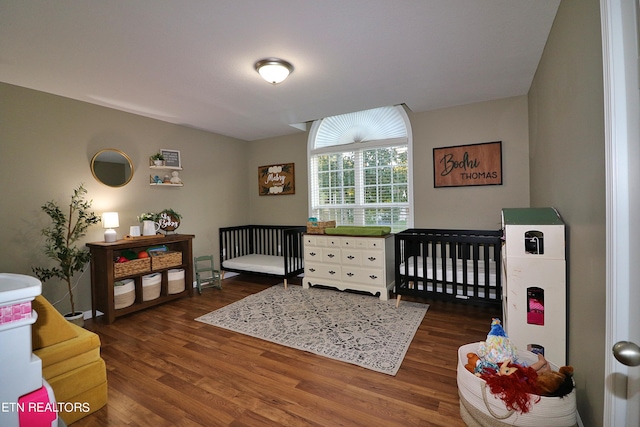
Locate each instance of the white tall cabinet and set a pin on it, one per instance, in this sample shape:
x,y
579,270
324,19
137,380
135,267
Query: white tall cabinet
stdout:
x,y
535,281
346,262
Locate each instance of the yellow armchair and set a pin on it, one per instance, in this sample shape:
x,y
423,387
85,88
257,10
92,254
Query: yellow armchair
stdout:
x,y
71,362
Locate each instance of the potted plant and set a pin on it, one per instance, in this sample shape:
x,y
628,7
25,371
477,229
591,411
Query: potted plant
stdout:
x,y
60,244
148,216
158,159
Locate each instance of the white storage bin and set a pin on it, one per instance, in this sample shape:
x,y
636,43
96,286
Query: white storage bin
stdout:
x,y
124,294
151,284
176,281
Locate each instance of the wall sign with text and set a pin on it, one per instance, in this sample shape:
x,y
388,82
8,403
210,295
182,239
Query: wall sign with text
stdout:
x,y
463,165
274,180
171,158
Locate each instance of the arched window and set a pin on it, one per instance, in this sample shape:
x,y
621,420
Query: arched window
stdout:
x,y
360,168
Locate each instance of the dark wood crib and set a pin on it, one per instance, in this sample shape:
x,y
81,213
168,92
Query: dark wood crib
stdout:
x,y
457,265
268,250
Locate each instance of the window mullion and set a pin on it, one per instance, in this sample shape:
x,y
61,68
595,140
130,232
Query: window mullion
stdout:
x,y
359,178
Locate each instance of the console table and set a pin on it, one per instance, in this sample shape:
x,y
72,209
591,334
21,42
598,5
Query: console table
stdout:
x,y
103,273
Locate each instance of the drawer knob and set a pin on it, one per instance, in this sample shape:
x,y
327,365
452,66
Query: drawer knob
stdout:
x,y
312,270
330,255
350,274
351,257
373,277
332,272
372,258
312,253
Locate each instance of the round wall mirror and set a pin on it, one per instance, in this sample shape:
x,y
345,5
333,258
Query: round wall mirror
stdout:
x,y
112,167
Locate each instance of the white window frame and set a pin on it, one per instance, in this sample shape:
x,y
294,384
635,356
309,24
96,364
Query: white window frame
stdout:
x,y
361,147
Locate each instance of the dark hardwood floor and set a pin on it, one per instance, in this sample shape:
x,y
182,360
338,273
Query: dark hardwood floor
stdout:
x,y
165,369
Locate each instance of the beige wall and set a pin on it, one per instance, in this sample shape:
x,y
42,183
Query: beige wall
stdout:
x,y
289,209
568,171
46,144
462,207
476,207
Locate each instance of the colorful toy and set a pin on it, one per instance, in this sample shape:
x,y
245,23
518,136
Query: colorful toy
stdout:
x,y
497,348
555,384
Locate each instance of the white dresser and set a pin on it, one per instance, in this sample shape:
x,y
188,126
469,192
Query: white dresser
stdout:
x,y
345,262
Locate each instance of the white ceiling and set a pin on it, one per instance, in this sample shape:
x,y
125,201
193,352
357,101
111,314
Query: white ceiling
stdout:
x,y
190,62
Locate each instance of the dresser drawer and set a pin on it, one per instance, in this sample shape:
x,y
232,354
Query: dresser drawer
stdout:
x,y
312,253
331,255
373,258
368,276
375,244
322,271
333,241
353,243
351,257
315,240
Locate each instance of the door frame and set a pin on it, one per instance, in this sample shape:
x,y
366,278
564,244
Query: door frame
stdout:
x,y
620,79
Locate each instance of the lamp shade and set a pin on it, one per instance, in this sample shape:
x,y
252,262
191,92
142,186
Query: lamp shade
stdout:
x,y
110,220
274,70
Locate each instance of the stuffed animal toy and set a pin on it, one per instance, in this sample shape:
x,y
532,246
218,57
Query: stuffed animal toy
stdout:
x,y
555,384
473,362
497,348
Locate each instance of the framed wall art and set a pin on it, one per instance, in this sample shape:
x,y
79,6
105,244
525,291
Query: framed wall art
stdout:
x,y
467,165
171,158
276,180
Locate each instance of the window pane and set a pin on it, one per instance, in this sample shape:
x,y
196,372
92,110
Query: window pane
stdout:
x,y
370,177
371,194
323,180
384,194
323,163
348,160
400,174
384,175
324,197
336,179
349,178
349,195
400,194
369,158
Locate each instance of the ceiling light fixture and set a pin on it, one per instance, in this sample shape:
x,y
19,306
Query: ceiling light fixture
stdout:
x,y
274,70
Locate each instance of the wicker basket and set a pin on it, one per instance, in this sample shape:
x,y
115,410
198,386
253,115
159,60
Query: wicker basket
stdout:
x,y
162,260
125,294
129,268
319,226
151,285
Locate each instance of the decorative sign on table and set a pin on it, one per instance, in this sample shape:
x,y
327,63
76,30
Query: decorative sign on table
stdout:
x,y
275,180
171,158
464,165
168,222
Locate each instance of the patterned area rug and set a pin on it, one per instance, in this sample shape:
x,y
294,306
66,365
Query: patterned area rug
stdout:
x,y
353,328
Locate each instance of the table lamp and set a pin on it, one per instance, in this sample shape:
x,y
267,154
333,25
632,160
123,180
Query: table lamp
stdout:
x,y
109,222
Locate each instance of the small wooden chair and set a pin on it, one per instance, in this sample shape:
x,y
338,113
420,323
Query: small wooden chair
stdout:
x,y
205,273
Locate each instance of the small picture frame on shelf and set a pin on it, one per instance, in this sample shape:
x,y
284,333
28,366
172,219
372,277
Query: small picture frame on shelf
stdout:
x,y
171,158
